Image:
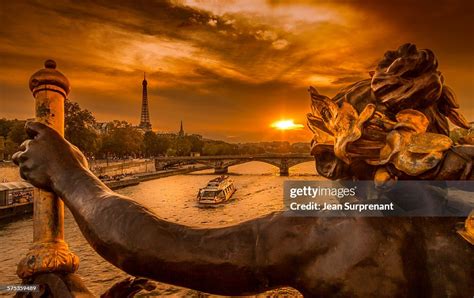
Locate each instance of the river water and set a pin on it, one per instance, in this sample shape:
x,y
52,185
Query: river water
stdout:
x,y
259,192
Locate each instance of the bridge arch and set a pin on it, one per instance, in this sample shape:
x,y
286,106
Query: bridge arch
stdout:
x,y
221,164
254,167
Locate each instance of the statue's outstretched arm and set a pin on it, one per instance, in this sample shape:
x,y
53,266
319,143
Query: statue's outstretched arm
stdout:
x,y
223,260
134,239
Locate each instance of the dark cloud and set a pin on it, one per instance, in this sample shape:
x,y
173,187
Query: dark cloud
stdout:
x,y
226,69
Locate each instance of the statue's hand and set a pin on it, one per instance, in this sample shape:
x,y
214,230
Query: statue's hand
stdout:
x,y
46,156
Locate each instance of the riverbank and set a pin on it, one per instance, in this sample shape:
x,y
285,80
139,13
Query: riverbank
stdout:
x,y
141,177
132,172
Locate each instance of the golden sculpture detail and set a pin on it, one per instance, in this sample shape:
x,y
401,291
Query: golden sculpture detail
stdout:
x,y
409,147
49,252
467,232
392,126
398,117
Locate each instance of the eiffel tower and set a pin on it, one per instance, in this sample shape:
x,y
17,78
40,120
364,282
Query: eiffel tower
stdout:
x,y
145,117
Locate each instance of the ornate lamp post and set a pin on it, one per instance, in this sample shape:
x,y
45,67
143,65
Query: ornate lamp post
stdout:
x,y
49,253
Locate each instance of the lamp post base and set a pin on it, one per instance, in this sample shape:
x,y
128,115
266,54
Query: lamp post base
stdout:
x,y
48,257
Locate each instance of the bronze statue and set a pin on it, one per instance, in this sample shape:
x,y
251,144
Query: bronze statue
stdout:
x,y
372,130
391,126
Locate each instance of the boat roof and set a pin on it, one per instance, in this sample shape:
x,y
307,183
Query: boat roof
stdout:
x,y
15,185
219,179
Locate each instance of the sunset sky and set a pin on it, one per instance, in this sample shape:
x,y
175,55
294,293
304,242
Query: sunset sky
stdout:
x,y
228,69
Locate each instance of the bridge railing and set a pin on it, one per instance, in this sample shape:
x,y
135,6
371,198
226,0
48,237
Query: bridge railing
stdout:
x,y
208,157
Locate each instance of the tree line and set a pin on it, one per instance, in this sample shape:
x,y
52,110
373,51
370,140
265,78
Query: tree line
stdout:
x,y
115,139
120,139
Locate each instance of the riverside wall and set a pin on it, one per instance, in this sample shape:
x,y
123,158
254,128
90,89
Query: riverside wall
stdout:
x,y
122,167
9,171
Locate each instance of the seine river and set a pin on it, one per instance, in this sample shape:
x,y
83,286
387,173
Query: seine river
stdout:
x,y
259,192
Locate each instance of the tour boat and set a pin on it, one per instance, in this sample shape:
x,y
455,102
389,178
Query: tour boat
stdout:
x,y
218,190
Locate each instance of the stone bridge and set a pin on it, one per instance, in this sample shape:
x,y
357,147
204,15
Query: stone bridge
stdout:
x,y
222,163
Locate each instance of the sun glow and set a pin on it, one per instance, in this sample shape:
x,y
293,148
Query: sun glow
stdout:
x,y
286,125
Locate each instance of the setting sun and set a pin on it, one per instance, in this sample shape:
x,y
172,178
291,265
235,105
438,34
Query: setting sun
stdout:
x,y
286,125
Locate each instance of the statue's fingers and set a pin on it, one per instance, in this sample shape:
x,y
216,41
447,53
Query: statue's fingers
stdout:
x,y
34,128
16,157
25,145
20,157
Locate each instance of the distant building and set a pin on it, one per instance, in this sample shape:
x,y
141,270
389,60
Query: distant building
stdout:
x,y
181,130
199,137
180,134
102,127
166,134
145,123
